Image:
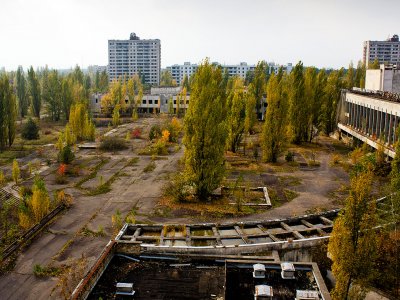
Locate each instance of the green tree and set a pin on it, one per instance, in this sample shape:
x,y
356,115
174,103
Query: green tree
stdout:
x,y
257,86
52,95
8,112
274,129
319,94
134,91
360,75
103,82
374,65
77,75
66,97
34,92
170,106
395,181
310,98
331,97
167,79
205,131
350,80
352,245
22,95
236,106
185,83
30,130
181,100
298,106
115,117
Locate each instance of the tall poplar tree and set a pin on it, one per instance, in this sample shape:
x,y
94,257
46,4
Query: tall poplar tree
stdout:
x,y
274,128
8,112
298,108
236,106
21,87
205,131
34,92
257,86
331,97
350,80
52,95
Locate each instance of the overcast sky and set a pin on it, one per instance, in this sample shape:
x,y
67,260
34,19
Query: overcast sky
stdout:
x,y
322,33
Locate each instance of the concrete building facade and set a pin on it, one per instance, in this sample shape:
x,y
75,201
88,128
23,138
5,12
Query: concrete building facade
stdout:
x,y
385,51
370,117
386,79
135,56
155,102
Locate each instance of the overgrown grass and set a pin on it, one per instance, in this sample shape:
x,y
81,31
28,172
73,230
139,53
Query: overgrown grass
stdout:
x,y
150,167
93,174
87,232
132,162
43,271
289,180
289,194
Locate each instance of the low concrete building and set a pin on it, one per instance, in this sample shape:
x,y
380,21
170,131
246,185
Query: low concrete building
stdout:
x,y
155,102
387,79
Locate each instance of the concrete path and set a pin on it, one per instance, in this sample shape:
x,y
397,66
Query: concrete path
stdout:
x,y
63,243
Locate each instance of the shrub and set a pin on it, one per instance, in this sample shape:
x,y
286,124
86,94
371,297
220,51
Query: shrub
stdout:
x,y
155,132
136,133
335,160
113,144
289,156
62,169
177,188
160,148
165,136
30,131
66,156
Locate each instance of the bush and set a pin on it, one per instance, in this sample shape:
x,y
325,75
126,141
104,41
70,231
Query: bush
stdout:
x,y
66,155
30,131
136,133
113,144
155,132
160,148
177,188
289,156
335,160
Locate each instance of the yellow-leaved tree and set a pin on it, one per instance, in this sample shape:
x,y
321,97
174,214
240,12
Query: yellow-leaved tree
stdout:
x,y
352,245
40,201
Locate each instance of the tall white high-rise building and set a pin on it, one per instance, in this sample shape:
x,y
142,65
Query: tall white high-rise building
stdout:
x,y
385,51
135,56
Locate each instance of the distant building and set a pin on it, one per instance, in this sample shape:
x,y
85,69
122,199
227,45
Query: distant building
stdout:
x,y
385,51
179,72
135,56
155,102
95,68
386,78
